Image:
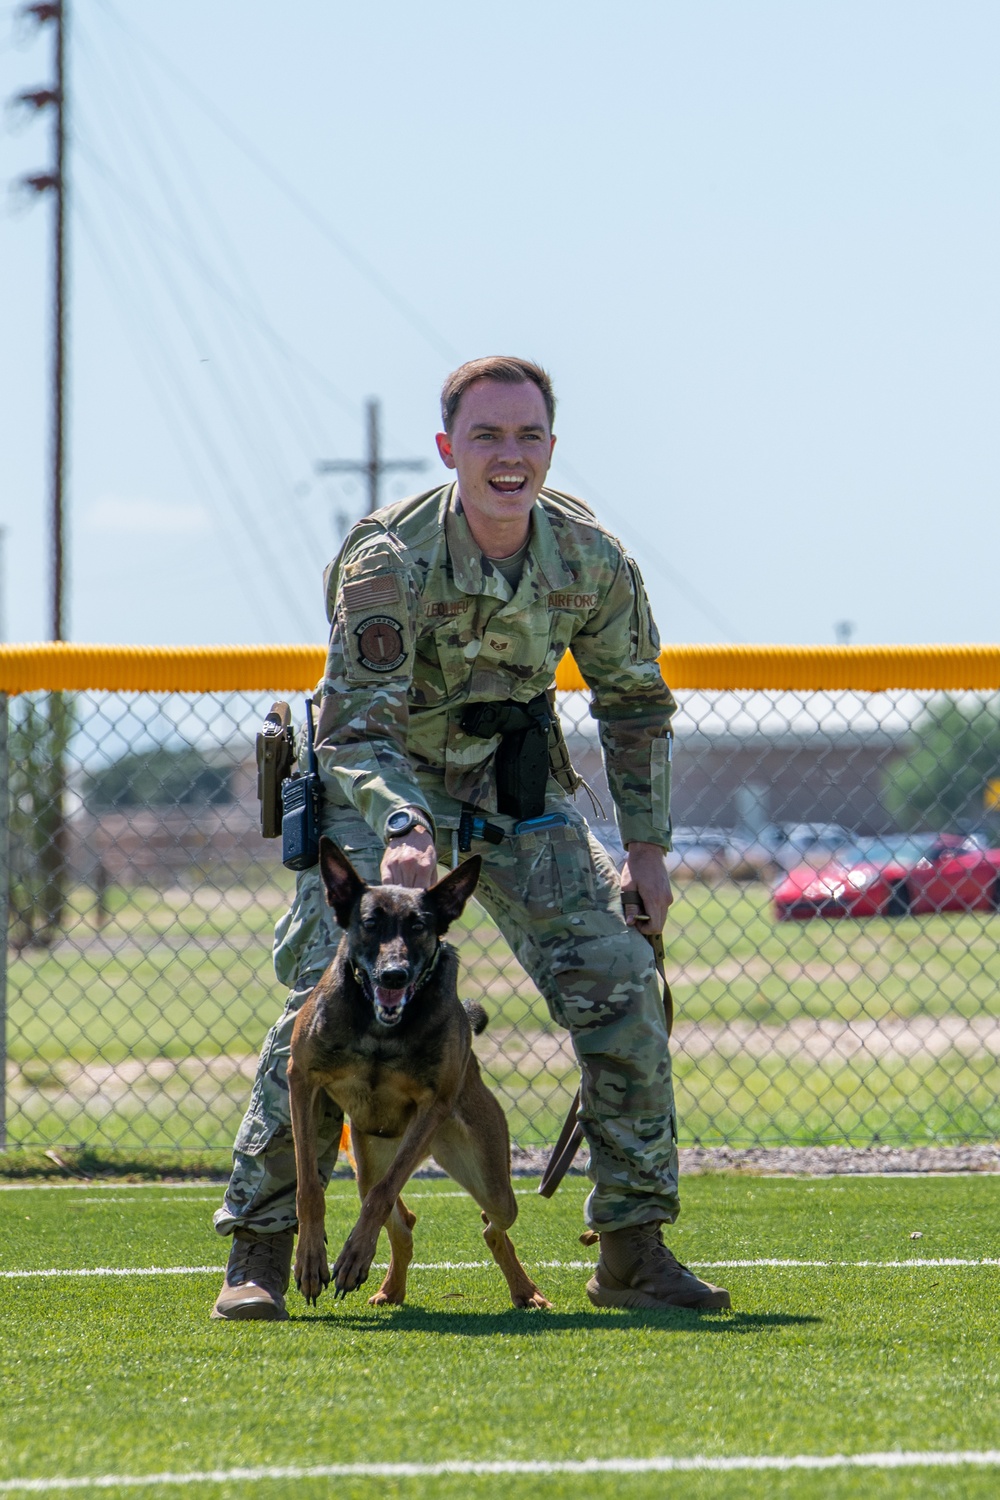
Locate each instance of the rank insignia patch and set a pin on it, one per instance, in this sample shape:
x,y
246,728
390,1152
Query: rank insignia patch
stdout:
x,y
380,643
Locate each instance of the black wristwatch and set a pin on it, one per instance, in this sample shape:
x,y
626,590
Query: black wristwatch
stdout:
x,y
403,821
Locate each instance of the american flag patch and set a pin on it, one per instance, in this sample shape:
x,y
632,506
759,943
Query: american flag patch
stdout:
x,y
371,593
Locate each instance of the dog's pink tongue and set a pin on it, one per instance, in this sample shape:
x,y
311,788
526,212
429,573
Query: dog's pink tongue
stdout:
x,y
389,997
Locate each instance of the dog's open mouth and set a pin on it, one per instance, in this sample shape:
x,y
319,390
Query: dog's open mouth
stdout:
x,y
389,1004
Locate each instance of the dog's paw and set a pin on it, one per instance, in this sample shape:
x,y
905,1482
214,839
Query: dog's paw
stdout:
x,y
390,1298
350,1269
532,1298
312,1273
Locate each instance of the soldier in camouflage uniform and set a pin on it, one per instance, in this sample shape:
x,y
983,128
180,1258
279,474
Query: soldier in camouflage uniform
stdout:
x,y
470,594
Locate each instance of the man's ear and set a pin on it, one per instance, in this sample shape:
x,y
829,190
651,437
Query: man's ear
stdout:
x,y
344,886
447,899
444,448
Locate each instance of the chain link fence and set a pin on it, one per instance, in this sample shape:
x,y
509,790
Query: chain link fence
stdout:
x,y
833,948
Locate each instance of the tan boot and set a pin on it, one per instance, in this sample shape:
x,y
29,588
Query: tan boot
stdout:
x,y
636,1269
256,1277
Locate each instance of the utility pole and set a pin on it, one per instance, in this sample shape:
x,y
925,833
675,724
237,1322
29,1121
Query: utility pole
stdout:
x,y
54,181
47,833
374,466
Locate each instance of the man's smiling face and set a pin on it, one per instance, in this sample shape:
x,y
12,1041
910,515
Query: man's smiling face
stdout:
x,y
500,446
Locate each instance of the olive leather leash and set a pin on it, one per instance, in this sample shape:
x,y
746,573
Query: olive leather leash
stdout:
x,y
571,1134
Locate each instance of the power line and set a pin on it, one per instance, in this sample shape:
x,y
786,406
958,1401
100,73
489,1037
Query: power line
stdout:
x,y
297,403
360,263
393,296
642,545
231,403
157,372
257,355
133,200
164,380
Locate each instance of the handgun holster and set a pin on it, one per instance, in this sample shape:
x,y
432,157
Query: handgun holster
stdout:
x,y
275,758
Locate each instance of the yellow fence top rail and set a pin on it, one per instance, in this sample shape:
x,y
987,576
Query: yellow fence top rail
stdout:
x,y
65,667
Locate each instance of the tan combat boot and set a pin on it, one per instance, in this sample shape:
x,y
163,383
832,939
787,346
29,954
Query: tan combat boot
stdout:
x,y
637,1270
256,1277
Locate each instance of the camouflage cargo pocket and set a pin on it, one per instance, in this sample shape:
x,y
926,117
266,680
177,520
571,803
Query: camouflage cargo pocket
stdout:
x,y
256,1130
560,874
268,1109
305,933
659,783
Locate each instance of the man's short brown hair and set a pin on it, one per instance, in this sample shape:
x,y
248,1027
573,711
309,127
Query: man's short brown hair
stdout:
x,y
502,367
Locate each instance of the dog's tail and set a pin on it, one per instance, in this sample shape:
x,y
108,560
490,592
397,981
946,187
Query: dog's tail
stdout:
x,y
477,1016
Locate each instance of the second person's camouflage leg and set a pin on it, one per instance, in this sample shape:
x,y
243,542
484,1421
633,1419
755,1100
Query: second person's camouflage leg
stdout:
x,y
261,1191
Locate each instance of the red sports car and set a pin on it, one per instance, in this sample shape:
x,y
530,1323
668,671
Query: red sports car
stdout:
x,y
892,877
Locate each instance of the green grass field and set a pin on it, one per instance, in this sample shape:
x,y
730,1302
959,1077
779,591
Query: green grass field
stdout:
x,y
124,1375
145,1032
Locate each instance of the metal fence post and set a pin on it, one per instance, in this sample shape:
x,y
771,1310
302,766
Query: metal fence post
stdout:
x,y
4,904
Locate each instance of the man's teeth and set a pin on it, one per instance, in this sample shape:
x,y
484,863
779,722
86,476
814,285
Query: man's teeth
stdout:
x,y
508,480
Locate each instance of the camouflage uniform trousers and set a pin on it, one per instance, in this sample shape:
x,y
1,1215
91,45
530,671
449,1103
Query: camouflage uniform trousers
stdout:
x,y
555,897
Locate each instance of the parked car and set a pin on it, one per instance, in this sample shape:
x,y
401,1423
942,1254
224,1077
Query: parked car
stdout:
x,y
813,844
699,852
708,853
894,877
705,853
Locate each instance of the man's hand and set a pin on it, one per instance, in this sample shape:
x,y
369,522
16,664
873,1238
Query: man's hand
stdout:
x,y
645,871
410,861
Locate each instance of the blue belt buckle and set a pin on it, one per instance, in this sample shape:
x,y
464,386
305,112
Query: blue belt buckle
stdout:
x,y
538,825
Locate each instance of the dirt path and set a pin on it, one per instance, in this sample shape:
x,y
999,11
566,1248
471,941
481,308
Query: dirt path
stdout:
x,y
815,1040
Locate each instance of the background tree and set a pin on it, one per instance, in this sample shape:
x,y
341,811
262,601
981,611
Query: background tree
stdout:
x,y
162,776
940,782
41,725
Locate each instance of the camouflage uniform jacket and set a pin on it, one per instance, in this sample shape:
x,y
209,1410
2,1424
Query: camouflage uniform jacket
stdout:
x,y
422,624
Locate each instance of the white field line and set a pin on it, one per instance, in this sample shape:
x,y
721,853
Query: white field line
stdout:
x,y
168,1187
547,1265
90,1202
104,1187
88,1188
845,1176
119,1271
983,1458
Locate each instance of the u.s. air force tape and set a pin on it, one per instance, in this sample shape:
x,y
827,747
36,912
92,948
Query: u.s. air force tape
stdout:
x,y
380,643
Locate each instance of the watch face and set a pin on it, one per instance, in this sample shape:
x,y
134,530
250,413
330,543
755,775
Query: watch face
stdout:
x,y
399,822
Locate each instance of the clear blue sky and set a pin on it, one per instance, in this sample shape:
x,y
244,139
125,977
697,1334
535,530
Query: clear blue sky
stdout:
x,y
756,244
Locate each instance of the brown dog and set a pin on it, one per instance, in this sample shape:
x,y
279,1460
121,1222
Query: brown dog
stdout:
x,y
385,1036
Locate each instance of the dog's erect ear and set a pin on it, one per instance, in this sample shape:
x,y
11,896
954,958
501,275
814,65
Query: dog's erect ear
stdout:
x,y
342,882
447,899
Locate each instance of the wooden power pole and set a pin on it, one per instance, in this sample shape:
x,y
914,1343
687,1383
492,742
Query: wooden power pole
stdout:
x,y
53,721
374,465
54,181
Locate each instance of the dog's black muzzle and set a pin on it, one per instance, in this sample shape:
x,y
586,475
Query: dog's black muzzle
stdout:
x,y
391,990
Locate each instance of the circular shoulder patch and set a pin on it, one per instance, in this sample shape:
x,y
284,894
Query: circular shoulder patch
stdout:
x,y
380,643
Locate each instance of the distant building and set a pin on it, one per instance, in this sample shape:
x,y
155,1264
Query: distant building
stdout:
x,y
739,761
754,758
